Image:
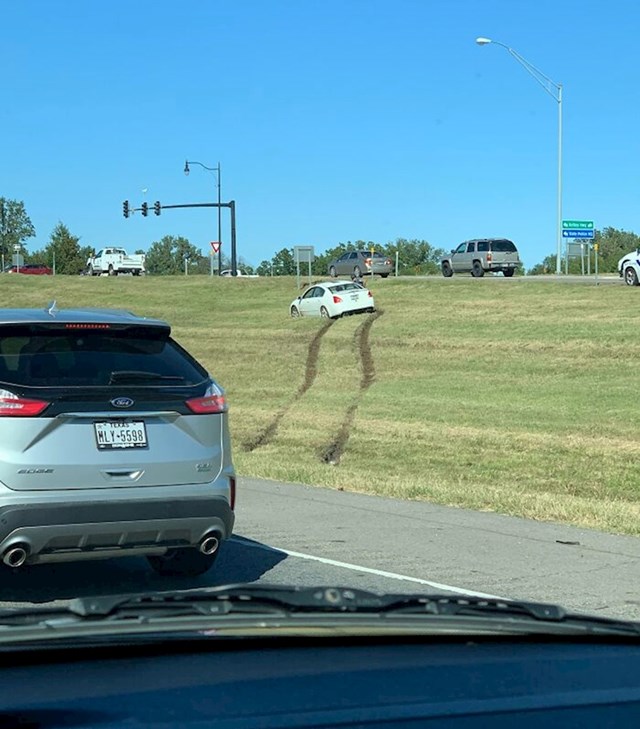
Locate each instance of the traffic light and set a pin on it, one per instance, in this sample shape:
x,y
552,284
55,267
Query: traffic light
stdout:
x,y
125,208
145,209
157,207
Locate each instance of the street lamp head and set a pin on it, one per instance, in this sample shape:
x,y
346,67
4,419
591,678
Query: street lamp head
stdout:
x,y
483,41
186,167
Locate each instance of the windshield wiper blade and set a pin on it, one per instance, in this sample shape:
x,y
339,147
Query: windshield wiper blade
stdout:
x,y
285,601
340,600
141,376
238,598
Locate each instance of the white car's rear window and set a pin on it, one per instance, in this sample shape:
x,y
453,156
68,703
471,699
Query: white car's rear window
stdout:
x,y
345,287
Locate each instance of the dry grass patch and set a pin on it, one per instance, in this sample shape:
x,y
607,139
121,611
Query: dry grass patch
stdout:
x,y
511,396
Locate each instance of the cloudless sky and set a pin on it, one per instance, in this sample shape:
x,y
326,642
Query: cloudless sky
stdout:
x,y
333,120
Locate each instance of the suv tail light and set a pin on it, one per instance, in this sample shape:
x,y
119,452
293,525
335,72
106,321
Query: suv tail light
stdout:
x,y
489,256
213,401
337,300
13,406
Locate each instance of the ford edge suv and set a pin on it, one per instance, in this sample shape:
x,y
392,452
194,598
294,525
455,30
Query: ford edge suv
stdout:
x,y
114,441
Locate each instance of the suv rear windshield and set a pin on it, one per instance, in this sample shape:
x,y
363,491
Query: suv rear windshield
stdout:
x,y
503,246
37,356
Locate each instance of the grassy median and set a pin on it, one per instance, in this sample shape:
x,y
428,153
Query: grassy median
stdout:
x,y
514,396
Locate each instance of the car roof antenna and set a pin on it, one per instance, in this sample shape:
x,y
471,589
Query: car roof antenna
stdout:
x,y
51,308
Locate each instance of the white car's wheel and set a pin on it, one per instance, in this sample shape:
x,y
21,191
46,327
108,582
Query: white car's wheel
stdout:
x,y
295,313
324,312
630,276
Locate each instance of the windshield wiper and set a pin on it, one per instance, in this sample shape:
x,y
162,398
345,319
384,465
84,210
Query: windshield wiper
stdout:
x,y
277,601
339,600
141,376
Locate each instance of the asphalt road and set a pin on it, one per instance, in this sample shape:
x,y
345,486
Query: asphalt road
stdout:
x,y
603,279
292,534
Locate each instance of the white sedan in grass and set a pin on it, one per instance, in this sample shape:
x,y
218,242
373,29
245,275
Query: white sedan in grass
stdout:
x,y
331,299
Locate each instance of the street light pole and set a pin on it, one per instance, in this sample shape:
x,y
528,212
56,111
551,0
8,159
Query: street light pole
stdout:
x,y
219,183
555,91
559,210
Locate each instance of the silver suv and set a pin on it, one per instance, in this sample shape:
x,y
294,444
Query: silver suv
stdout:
x,y
114,441
480,255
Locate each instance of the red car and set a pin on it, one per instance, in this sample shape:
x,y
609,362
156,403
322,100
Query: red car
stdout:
x,y
38,269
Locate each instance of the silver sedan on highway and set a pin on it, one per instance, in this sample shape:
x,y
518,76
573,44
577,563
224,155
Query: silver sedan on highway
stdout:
x,y
361,263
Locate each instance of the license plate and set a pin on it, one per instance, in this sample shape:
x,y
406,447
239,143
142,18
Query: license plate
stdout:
x,y
354,297
113,434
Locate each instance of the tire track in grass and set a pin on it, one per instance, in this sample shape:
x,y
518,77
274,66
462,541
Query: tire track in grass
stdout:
x,y
333,452
267,434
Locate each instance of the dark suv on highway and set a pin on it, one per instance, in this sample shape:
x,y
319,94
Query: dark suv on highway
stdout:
x,y
481,255
114,441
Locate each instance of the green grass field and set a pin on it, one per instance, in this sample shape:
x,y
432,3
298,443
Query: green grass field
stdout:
x,y
513,396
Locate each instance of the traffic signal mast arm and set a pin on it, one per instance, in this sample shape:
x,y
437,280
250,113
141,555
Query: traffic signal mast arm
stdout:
x,y
157,208
200,205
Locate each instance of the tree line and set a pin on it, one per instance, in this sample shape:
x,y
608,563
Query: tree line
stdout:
x,y
167,256
414,257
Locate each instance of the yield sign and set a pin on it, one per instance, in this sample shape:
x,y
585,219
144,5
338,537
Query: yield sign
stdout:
x,y
215,247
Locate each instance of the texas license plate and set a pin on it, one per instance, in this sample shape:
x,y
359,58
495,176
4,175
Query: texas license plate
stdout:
x,y
113,434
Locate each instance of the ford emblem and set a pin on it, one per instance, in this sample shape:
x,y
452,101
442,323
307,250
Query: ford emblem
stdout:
x,y
122,402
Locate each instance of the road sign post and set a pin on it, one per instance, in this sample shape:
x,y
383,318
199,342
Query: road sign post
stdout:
x,y
302,254
215,248
575,232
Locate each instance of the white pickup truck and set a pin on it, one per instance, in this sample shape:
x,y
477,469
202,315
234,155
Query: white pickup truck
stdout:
x,y
241,273
114,261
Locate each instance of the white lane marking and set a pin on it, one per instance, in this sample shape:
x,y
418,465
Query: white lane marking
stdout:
x,y
370,570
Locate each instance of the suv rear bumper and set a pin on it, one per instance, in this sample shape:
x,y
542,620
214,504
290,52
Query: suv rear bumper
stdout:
x,y
500,266
76,525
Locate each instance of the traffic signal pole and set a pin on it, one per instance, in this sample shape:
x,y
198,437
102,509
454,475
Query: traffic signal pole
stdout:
x,y
157,208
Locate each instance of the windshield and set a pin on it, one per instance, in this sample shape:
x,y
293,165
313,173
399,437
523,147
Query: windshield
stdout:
x,y
453,413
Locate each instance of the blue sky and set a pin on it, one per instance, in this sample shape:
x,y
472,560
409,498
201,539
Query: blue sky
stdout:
x,y
333,120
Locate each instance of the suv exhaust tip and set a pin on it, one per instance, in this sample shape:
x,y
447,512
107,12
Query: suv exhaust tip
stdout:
x,y
16,555
209,544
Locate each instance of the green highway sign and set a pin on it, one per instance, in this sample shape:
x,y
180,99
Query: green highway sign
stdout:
x,y
577,224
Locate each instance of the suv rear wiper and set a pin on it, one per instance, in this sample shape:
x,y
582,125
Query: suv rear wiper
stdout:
x,y
141,376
